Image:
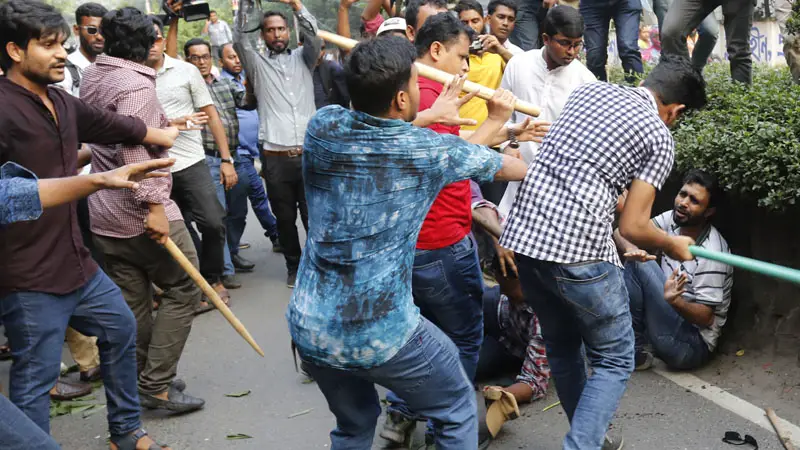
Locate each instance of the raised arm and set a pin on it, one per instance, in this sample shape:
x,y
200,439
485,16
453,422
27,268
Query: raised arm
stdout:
x,y
171,47
343,19
312,44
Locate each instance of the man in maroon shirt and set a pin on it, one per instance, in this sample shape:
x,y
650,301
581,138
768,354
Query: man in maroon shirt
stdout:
x,y
47,278
446,283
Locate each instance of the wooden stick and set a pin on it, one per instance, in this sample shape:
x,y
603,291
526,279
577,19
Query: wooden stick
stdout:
x,y
435,74
211,294
785,439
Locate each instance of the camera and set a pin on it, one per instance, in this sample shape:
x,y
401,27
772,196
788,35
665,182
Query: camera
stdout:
x,y
190,11
476,46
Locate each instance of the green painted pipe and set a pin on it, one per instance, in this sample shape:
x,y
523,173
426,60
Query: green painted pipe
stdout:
x,y
753,265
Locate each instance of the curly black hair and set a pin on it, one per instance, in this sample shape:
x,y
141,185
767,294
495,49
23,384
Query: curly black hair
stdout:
x,y
129,34
24,20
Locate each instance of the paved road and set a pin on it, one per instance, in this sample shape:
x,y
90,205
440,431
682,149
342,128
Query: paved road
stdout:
x,y
655,413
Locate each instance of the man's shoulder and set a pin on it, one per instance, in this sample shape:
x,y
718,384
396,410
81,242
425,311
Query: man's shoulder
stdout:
x,y
715,241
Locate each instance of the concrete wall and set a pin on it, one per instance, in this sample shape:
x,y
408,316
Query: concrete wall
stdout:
x,y
765,312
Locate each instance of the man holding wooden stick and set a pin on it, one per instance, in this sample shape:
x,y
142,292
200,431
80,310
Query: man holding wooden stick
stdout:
x,y
129,228
368,175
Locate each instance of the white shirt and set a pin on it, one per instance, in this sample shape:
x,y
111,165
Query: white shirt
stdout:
x,y
512,48
529,79
182,91
79,60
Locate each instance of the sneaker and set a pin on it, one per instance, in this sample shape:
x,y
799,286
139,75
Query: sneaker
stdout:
x,y
291,279
397,428
643,360
613,443
276,245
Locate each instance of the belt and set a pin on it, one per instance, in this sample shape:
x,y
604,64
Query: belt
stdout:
x,y
293,153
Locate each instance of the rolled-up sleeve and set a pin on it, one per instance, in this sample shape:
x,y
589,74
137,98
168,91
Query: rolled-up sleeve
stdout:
x,y
19,194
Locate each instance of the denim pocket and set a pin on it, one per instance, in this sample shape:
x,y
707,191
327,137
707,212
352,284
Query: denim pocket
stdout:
x,y
413,363
429,281
585,286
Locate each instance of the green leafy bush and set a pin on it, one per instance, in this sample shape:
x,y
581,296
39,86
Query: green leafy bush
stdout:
x,y
747,136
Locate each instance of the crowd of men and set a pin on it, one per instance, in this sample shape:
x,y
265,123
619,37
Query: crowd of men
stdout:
x,y
450,240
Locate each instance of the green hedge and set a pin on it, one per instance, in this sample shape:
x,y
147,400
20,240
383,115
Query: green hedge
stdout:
x,y
747,136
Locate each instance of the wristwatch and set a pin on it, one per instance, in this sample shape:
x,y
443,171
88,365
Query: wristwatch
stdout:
x,y
227,160
512,138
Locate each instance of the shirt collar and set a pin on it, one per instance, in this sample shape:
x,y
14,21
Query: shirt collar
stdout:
x,y
169,63
105,60
644,92
272,54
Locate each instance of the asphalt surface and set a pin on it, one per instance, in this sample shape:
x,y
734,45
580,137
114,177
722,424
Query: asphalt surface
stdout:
x,y
655,413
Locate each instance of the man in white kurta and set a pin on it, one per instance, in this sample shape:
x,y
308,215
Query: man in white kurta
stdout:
x,y
546,77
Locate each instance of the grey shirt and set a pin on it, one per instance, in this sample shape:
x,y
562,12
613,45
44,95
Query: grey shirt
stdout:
x,y
219,33
283,84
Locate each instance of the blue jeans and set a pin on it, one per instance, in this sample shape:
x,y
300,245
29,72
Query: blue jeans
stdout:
x,y
222,195
676,341
597,15
583,304
426,373
18,432
708,32
448,288
36,324
258,197
526,28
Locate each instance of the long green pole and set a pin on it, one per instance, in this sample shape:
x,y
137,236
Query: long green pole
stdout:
x,y
753,265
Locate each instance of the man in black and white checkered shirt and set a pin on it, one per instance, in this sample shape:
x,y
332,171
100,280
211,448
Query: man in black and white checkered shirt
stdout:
x,y
561,229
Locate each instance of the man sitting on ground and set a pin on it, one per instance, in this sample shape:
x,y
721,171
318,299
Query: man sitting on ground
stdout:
x,y
679,308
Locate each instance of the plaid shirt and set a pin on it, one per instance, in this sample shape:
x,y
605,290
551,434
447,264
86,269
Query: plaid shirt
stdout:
x,y
227,97
126,88
606,136
521,336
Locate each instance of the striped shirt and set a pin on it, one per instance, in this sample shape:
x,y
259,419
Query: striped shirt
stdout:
x,y
126,88
606,136
227,97
708,282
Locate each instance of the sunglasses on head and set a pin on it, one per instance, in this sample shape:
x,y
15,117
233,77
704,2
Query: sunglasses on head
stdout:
x,y
734,438
91,30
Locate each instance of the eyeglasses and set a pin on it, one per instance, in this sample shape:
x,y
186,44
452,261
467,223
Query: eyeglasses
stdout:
x,y
195,58
91,30
568,44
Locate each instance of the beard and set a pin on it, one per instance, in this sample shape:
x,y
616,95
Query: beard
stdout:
x,y
278,46
686,220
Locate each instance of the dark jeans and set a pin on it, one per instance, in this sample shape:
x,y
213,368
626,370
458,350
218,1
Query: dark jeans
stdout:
x,y
287,195
526,32
676,341
494,359
583,304
225,198
18,432
448,288
36,323
597,15
426,373
685,15
258,198
707,31
135,264
194,192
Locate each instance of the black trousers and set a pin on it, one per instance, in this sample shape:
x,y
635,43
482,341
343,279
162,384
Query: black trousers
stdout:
x,y
284,177
194,192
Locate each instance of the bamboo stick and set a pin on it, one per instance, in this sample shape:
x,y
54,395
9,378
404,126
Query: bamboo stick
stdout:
x,y
435,74
211,294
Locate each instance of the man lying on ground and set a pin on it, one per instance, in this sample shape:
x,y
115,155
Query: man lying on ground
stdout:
x,y
679,308
370,175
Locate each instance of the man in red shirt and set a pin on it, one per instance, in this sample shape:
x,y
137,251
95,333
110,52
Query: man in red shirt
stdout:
x,y
446,283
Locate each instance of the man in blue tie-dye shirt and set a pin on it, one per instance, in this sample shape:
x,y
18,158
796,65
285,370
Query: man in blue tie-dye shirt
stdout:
x,y
370,176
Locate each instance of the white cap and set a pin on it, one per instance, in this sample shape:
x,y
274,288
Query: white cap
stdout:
x,y
392,24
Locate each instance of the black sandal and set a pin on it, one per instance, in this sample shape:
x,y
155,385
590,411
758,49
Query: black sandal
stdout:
x,y
128,442
734,438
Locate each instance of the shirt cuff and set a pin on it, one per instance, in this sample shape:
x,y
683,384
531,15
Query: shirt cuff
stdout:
x,y
20,194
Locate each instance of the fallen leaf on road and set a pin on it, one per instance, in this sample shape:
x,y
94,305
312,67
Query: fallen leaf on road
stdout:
x,y
237,436
239,394
301,413
308,381
548,408
740,353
